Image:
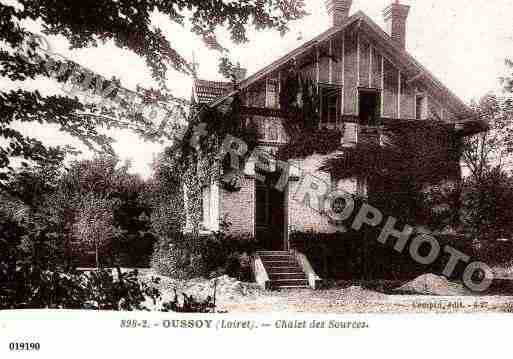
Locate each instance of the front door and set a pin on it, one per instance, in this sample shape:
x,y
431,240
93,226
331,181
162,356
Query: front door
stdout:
x,y
270,215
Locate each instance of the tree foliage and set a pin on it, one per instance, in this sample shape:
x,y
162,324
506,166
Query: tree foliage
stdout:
x,y
493,147
487,189
488,206
125,23
94,224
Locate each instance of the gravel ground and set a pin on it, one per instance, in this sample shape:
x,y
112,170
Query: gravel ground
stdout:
x,y
235,297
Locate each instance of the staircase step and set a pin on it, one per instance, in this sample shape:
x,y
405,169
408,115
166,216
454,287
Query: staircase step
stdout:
x,y
266,253
288,282
284,269
292,287
297,275
277,258
275,265
280,263
277,255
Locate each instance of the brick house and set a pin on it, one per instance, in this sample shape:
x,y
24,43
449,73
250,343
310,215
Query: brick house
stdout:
x,y
365,78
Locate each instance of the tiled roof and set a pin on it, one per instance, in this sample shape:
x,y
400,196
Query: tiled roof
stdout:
x,y
208,91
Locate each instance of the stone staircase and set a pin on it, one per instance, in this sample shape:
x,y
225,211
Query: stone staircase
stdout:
x,y
283,270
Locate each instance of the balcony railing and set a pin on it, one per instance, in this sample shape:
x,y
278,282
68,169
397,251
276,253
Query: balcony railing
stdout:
x,y
269,124
271,128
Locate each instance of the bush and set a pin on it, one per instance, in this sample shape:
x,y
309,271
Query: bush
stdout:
x,y
189,305
178,257
187,255
33,287
29,281
360,256
494,252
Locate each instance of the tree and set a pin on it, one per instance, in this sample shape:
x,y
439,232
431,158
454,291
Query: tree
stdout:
x,y
95,223
125,23
486,190
488,206
166,198
107,178
47,202
493,147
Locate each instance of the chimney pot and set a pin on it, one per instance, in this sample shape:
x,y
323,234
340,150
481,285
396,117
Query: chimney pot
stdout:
x,y
338,10
396,16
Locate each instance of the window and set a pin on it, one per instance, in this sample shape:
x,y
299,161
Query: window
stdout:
x,y
330,103
346,185
361,187
421,107
272,100
272,132
369,105
205,206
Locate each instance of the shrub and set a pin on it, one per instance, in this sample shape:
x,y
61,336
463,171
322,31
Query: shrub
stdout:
x,y
189,305
119,291
178,257
227,252
33,287
354,255
187,255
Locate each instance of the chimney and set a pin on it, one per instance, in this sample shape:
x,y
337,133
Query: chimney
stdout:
x,y
240,73
338,10
396,16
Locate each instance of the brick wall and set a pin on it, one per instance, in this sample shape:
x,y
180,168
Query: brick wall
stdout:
x,y
300,216
239,207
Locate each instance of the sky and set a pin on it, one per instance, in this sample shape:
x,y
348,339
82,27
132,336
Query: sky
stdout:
x,y
464,43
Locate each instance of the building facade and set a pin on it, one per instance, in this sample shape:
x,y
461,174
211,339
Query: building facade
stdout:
x,y
365,80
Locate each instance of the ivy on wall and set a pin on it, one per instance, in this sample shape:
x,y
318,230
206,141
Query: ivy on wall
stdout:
x,y
201,165
400,174
300,102
416,154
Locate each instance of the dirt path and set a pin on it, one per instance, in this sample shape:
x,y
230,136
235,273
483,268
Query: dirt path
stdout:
x,y
236,297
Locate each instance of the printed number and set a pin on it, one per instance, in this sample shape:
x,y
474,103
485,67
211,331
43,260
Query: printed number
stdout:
x,y
135,324
24,346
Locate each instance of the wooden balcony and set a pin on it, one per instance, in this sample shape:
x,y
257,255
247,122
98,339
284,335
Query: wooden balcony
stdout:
x,y
269,124
271,130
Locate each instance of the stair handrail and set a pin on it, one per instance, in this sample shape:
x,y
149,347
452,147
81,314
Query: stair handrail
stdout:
x,y
314,280
260,273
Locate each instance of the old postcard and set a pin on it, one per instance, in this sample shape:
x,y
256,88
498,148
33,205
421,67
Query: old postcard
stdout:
x,y
281,172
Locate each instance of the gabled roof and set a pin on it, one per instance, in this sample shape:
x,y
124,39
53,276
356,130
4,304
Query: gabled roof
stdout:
x,y
206,92
400,57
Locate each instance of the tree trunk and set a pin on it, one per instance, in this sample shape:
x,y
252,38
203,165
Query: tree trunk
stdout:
x,y
97,256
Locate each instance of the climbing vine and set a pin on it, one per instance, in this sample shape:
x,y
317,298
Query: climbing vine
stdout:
x,y
416,156
196,159
300,104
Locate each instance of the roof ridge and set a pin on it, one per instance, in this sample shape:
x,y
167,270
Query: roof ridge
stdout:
x,y
359,16
408,61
